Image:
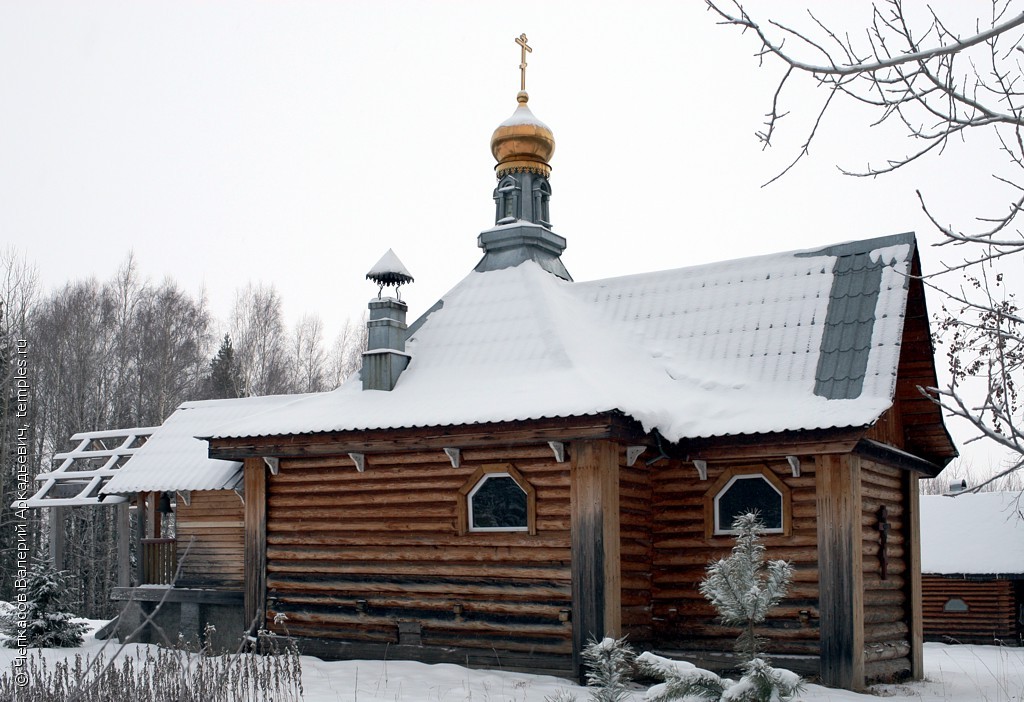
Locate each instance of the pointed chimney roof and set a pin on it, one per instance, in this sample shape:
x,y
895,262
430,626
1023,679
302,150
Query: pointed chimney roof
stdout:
x,y
389,270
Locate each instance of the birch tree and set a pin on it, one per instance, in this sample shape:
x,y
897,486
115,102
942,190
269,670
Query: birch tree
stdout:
x,y
935,79
258,332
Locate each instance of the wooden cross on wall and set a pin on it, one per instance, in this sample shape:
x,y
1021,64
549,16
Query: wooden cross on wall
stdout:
x,y
521,40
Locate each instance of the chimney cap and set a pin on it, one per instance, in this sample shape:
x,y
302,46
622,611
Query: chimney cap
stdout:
x,y
389,270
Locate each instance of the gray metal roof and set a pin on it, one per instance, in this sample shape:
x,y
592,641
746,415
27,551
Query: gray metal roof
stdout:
x,y
852,310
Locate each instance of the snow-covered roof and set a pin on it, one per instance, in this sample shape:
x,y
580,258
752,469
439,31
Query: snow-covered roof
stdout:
x,y
799,340
173,459
972,534
83,471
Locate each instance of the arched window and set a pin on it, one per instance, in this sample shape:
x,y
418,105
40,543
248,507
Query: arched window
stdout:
x,y
739,491
497,498
506,199
955,604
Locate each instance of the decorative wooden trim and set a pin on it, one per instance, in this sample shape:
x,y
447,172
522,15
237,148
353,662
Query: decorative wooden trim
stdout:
x,y
794,465
273,463
186,497
633,453
359,460
462,508
702,468
454,455
728,474
559,448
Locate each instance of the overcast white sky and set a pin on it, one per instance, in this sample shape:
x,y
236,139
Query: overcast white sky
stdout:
x,y
294,143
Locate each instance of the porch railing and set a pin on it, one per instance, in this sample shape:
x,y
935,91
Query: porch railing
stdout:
x,y
159,561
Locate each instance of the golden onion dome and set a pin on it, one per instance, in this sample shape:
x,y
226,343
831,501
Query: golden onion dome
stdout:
x,y
522,142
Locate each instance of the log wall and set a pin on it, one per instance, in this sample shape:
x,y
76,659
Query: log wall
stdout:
x,y
991,616
376,556
682,618
209,532
635,550
887,647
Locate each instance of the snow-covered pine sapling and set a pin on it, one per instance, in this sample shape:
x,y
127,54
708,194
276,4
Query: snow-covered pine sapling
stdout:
x,y
47,623
609,667
743,588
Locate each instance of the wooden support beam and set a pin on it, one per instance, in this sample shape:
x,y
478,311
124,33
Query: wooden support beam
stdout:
x,y
57,542
915,600
152,501
124,546
840,568
140,534
596,574
255,512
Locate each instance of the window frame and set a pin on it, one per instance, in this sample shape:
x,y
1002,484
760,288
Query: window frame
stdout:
x,y
478,478
726,480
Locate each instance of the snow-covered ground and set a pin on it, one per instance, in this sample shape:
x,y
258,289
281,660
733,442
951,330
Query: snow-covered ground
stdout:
x,y
962,673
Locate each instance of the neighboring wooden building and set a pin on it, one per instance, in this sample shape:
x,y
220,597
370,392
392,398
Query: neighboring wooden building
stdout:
x,y
538,462
973,568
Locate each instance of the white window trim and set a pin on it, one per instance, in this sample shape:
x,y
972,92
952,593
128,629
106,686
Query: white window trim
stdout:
x,y
472,494
750,476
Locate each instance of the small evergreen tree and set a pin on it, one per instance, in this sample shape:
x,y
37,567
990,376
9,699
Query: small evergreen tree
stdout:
x,y
743,587
225,378
609,666
48,624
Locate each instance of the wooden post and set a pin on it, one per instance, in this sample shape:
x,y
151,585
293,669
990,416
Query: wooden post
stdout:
x,y
840,571
255,511
915,601
124,546
57,542
596,572
140,533
157,518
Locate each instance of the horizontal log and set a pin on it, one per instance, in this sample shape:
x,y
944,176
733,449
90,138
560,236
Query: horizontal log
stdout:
x,y
517,572
884,633
887,670
441,587
507,434
421,607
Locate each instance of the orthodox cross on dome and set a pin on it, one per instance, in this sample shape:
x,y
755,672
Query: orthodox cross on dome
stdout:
x,y
389,270
521,40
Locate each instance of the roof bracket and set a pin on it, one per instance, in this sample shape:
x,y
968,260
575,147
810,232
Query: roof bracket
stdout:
x,y
794,465
702,468
186,497
241,494
661,449
359,459
633,453
559,448
454,455
273,463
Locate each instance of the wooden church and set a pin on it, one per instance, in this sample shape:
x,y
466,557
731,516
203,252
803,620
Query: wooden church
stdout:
x,y
536,462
